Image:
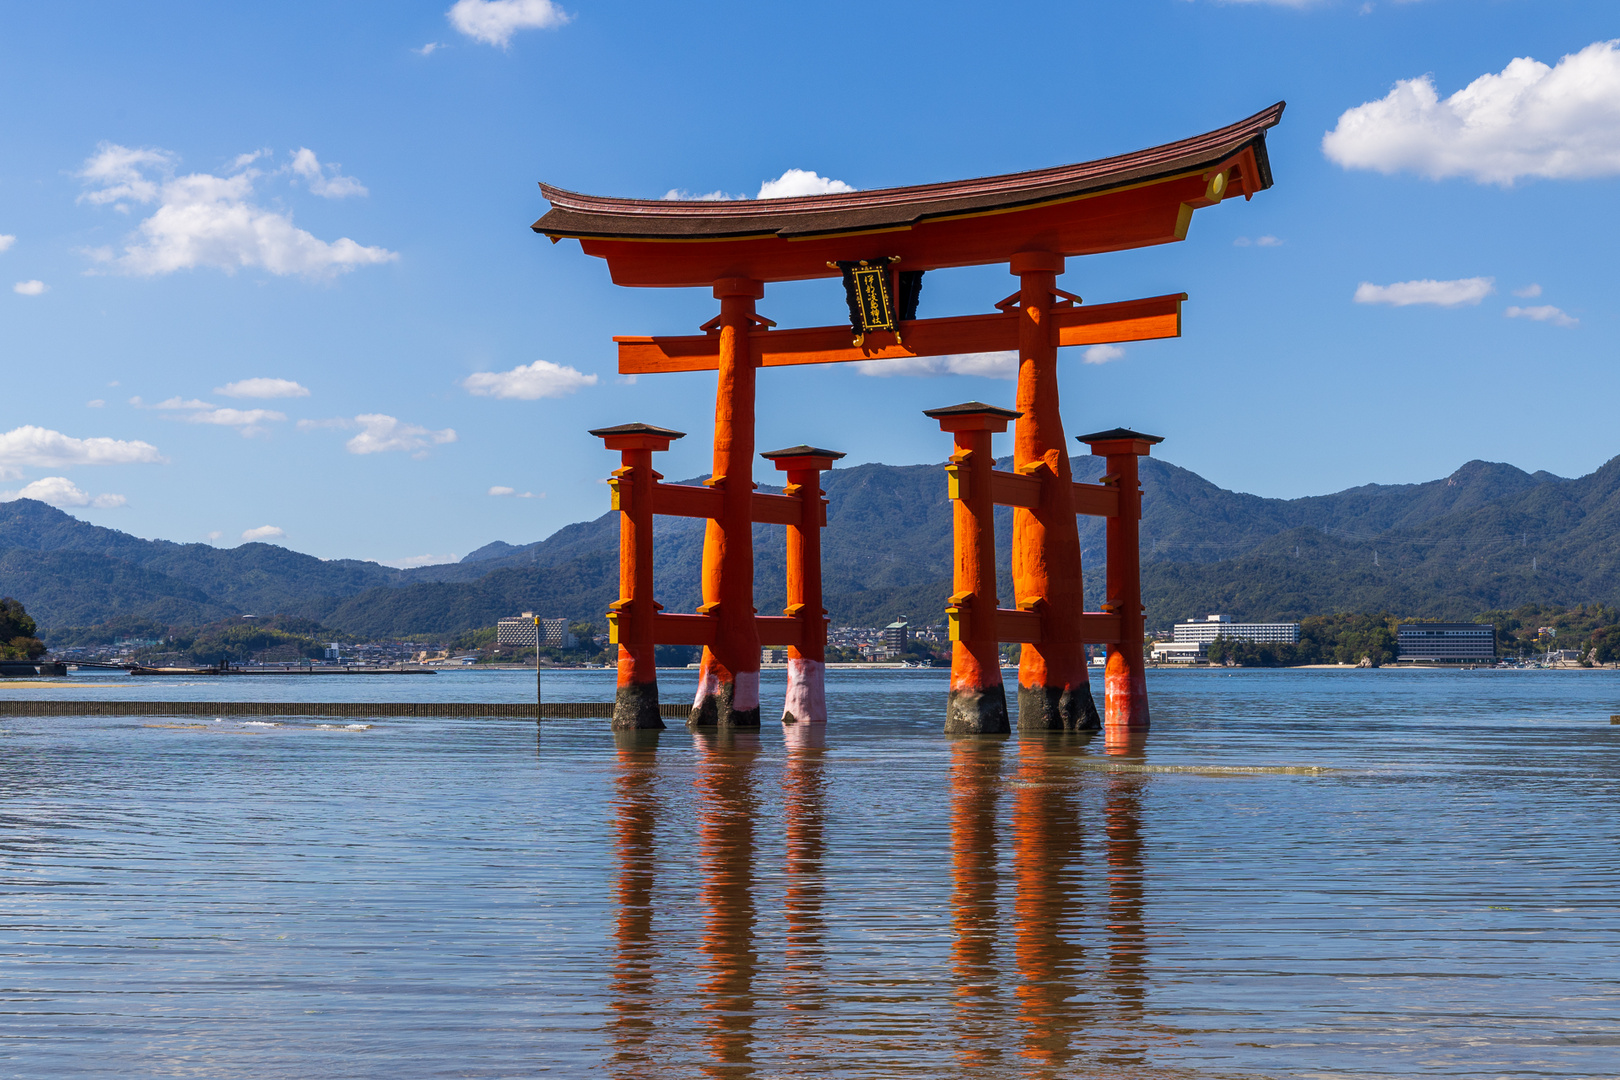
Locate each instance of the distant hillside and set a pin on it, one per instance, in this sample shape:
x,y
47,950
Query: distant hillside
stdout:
x,y
1488,536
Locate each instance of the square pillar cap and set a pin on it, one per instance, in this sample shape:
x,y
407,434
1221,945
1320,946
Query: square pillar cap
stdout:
x,y
973,416
1119,441
637,437
802,457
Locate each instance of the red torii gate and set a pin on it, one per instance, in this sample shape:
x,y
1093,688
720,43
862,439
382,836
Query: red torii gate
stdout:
x,y
1032,221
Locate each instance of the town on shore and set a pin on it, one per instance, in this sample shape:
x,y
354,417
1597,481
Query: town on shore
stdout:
x,y
1586,636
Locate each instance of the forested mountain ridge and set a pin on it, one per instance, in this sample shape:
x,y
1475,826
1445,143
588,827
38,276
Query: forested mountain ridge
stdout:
x,y
1487,536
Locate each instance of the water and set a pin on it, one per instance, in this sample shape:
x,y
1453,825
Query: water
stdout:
x,y
1298,874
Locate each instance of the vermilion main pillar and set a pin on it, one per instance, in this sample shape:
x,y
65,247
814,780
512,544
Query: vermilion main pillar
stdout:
x,y
1126,706
1054,690
728,681
978,700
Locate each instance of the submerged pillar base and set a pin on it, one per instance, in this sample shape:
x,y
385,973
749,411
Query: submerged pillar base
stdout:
x,y
1126,704
635,708
806,692
1057,708
733,704
977,712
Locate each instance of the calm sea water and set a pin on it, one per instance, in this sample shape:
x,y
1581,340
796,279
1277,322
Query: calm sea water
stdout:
x,y
460,898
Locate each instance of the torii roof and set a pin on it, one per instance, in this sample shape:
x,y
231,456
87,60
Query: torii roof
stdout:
x,y
1132,200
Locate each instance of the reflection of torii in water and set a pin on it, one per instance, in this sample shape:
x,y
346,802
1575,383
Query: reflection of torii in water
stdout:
x,y
1032,222
1054,1018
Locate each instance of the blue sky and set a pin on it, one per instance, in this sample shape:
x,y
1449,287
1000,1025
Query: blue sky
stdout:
x,y
255,258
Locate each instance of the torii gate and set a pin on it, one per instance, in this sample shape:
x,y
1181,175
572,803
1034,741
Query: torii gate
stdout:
x,y
880,242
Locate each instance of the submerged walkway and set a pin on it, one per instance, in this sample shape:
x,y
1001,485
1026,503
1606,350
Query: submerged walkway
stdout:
x,y
551,710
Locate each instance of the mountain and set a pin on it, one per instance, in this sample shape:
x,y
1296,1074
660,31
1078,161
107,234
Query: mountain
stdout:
x,y
1487,536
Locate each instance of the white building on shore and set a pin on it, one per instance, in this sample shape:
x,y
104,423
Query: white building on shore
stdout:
x,y
1211,627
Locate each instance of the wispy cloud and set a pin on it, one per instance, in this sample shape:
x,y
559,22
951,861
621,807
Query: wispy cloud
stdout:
x,y
61,492
264,532
1459,293
1258,241
327,181
429,49
514,493
1560,122
994,365
6,240
1542,313
30,288
1102,354
207,220
1529,292
528,382
381,433
262,388
493,22
196,411
413,561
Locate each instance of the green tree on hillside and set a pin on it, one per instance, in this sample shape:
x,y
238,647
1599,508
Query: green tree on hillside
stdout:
x,y
18,635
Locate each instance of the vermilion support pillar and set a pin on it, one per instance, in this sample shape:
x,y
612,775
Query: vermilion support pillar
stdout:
x,y
728,681
978,701
1126,708
1054,688
807,661
630,618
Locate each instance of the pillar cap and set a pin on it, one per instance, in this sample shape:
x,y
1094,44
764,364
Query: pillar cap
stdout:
x,y
802,457
1119,441
637,436
972,416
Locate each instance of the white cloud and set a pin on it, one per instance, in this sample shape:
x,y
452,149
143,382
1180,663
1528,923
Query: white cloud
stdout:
x,y
419,560
380,433
1560,122
47,449
264,532
250,421
1460,293
527,382
95,403
1102,354
495,21
429,49
29,288
791,183
681,194
118,172
995,365
262,388
59,491
1529,292
207,220
1542,313
515,493
215,535
172,404
800,182
6,240
242,161
327,180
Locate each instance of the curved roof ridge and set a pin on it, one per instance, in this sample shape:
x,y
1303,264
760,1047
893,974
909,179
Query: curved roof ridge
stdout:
x,y
1004,184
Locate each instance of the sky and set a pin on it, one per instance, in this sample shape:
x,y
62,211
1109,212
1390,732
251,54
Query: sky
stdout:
x,y
266,270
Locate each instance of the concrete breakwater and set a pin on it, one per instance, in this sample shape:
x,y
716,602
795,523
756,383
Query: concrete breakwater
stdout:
x,y
559,710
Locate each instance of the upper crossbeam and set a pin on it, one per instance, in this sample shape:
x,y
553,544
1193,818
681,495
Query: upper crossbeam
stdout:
x,y
1092,324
